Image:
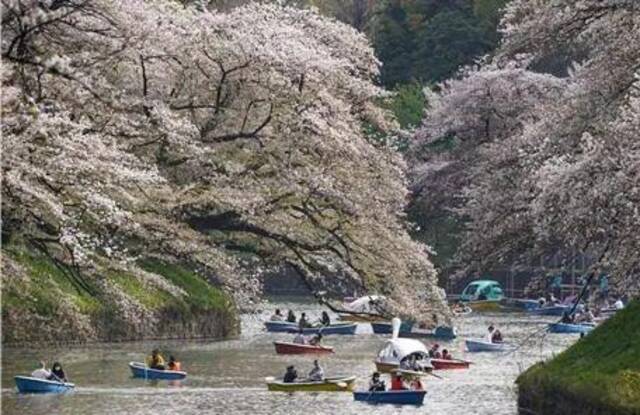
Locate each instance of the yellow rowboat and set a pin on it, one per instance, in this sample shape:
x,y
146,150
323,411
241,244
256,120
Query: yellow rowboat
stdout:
x,y
484,305
334,384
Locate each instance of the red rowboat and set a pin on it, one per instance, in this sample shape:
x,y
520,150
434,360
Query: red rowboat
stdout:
x,y
443,364
295,348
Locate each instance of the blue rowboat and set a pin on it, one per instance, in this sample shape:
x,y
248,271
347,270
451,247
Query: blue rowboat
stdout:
x,y
485,346
570,328
399,397
385,328
140,370
440,332
554,310
280,326
285,327
27,384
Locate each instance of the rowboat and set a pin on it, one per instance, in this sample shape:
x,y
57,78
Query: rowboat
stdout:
x,y
333,384
440,332
553,310
285,327
398,397
296,348
27,384
386,328
570,328
140,370
485,346
444,364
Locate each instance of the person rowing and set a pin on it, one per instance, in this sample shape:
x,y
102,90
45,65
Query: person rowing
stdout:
x,y
303,323
57,373
376,384
290,375
494,335
155,361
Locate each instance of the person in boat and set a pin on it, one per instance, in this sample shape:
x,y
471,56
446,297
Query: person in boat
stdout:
x,y
300,339
155,361
41,372
317,373
553,300
57,373
325,320
277,316
567,318
173,364
316,340
303,323
397,383
494,335
376,384
434,352
291,317
446,355
290,375
586,316
408,363
416,384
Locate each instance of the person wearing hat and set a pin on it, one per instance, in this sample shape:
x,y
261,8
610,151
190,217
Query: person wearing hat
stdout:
x,y
376,385
290,375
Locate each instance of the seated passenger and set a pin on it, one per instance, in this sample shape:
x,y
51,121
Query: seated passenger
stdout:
x,y
290,375
397,383
416,385
376,385
173,364
155,361
291,317
317,373
446,355
494,335
434,352
325,320
303,323
41,372
277,316
57,373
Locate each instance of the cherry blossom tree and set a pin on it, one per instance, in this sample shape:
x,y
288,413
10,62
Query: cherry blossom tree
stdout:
x,y
227,141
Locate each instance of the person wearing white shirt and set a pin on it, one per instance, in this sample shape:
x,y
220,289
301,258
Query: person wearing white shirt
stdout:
x,y
41,372
618,305
300,339
317,373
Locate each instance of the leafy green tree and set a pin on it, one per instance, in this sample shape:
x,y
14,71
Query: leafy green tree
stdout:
x,y
394,44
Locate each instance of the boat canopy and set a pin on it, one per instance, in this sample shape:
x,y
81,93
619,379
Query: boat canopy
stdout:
x,y
398,349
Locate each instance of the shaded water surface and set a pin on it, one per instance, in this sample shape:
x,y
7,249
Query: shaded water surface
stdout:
x,y
228,376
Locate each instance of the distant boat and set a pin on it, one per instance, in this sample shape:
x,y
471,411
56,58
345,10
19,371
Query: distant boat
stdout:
x,y
332,384
445,364
397,397
440,332
570,328
28,384
296,348
480,345
140,370
551,310
286,327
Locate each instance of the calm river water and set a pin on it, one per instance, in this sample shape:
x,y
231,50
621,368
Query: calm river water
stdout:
x,y
228,376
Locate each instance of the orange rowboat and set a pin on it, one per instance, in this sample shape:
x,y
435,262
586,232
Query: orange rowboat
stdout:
x,y
296,348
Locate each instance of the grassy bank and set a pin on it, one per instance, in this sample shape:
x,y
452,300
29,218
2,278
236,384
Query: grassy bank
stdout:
x,y
600,374
45,302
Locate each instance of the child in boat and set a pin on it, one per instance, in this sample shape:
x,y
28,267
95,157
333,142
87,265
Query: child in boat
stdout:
x,y
41,372
155,361
290,375
57,373
291,317
377,385
173,364
277,316
316,340
317,373
446,355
